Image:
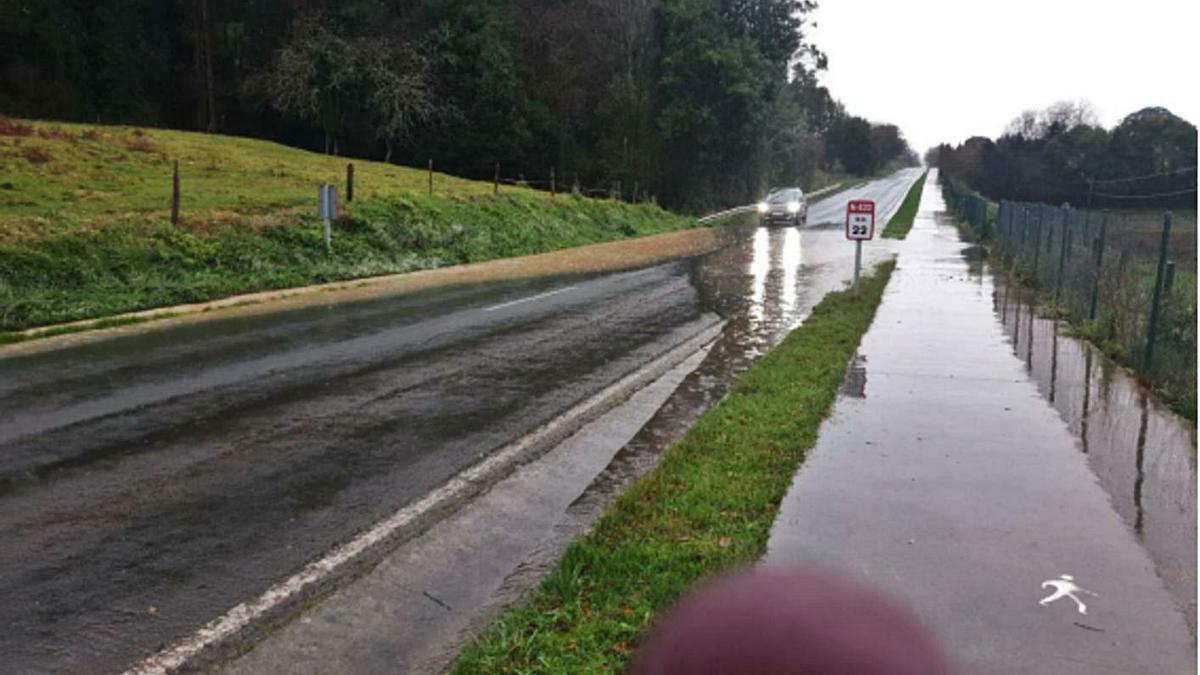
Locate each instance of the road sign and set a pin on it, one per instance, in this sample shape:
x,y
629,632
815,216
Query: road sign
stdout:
x,y
860,220
860,227
327,210
327,202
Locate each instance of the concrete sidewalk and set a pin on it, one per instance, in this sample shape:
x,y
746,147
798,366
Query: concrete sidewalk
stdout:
x,y
950,482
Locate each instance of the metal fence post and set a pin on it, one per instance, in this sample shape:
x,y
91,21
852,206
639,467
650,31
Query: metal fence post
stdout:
x,y
1062,253
1024,229
1037,246
1007,223
1098,269
1152,328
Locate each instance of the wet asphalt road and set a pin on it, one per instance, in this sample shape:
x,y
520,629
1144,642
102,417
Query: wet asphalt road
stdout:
x,y
888,193
150,482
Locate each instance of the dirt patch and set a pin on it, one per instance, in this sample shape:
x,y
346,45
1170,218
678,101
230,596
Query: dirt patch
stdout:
x,y
11,127
605,257
139,143
36,155
56,134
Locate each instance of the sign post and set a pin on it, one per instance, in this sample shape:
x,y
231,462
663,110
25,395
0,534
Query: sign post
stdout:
x,y
860,227
327,210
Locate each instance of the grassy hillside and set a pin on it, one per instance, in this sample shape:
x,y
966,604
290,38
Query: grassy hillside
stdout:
x,y
85,220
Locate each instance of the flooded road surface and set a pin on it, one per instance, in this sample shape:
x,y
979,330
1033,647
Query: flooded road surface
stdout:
x,y
1143,454
945,477
148,483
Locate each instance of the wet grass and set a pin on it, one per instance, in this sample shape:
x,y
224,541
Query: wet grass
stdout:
x,y
900,224
85,226
706,508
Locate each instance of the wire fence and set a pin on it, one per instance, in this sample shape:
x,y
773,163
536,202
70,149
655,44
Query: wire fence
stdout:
x,y
1127,277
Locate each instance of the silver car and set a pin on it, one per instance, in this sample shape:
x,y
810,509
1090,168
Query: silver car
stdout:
x,y
787,206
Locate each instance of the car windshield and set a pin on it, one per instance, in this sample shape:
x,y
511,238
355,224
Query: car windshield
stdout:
x,y
783,196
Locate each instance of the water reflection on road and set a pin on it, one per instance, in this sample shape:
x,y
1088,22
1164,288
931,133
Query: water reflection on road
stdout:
x,y
764,284
1142,453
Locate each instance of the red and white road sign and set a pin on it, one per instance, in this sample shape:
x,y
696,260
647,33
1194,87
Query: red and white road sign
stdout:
x,y
860,220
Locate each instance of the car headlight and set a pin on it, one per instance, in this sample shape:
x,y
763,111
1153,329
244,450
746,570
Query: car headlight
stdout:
x,y
793,207
762,207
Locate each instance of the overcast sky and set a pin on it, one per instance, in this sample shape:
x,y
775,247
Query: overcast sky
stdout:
x,y
945,70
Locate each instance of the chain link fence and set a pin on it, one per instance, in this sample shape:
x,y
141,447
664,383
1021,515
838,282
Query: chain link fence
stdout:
x,y
1127,278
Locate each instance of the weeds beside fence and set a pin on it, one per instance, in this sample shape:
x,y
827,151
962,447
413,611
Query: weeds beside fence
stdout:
x,y
1126,280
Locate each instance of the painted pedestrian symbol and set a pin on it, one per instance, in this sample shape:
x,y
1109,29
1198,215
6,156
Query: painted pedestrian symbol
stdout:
x,y
1065,586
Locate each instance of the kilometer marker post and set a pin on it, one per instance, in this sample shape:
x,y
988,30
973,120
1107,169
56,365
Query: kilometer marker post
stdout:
x,y
860,227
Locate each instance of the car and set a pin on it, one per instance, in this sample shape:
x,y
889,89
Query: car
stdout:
x,y
788,206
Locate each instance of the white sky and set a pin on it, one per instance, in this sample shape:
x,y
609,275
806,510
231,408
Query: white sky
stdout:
x,y
945,70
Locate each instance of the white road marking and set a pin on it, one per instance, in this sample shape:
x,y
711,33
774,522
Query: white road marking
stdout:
x,y
1064,587
532,297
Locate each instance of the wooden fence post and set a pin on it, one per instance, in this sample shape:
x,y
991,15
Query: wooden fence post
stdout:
x,y
431,178
350,182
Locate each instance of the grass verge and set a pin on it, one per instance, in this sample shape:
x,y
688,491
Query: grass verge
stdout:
x,y
706,508
900,224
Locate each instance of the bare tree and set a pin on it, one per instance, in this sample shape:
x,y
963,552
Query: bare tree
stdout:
x,y
1059,117
310,74
1066,115
399,93
1026,124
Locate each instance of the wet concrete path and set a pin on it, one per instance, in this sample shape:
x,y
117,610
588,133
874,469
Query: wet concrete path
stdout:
x,y
1143,454
149,483
948,479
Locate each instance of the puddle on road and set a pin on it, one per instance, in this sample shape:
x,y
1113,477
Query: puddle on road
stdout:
x,y
1143,454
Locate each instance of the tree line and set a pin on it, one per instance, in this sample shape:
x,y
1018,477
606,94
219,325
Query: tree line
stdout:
x,y
697,103
1063,155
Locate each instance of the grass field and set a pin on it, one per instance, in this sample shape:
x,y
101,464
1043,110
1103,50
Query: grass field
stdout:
x,y
706,508
85,226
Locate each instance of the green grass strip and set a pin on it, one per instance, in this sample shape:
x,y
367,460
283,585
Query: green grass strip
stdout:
x,y
902,222
706,508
